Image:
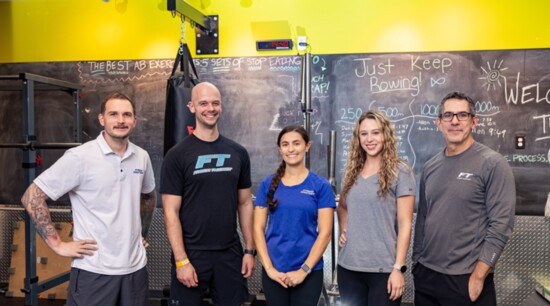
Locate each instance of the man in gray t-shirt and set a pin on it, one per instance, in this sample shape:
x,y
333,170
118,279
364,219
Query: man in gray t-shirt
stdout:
x,y
465,214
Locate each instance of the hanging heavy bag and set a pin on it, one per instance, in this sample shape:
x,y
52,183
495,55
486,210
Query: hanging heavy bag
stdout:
x,y
178,119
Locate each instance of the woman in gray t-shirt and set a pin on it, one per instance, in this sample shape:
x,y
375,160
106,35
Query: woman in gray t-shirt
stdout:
x,y
375,216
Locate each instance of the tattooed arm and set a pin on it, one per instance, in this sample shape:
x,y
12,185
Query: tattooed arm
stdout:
x,y
34,201
147,208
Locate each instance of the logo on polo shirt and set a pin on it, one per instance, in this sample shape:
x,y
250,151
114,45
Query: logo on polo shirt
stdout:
x,y
138,171
465,176
307,191
212,163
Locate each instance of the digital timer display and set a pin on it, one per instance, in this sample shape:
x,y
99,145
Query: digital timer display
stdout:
x,y
281,44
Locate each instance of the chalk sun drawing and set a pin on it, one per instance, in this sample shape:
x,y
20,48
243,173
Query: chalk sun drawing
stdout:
x,y
493,74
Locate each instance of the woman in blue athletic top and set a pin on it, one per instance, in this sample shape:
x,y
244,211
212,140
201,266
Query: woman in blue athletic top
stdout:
x,y
300,206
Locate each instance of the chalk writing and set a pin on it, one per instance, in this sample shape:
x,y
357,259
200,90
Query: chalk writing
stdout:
x,y
435,64
545,120
319,85
486,107
412,83
350,113
122,71
529,93
493,74
381,68
437,81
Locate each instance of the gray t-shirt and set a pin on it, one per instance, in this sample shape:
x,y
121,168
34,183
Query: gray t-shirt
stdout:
x,y
465,212
372,223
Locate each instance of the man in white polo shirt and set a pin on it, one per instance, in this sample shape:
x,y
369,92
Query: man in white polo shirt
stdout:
x,y
111,186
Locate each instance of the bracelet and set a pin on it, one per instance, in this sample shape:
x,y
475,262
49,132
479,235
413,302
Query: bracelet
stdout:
x,y
182,263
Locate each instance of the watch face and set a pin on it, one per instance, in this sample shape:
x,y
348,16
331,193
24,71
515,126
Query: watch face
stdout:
x,y
401,268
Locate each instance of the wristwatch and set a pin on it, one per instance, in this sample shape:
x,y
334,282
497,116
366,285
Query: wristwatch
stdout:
x,y
306,268
401,268
251,252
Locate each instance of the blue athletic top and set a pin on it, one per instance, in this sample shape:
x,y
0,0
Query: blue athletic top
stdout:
x,y
292,226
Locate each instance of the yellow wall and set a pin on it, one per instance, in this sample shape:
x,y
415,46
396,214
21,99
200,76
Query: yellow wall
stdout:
x,y
74,30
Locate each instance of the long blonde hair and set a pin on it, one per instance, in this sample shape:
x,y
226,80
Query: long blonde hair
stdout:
x,y
357,156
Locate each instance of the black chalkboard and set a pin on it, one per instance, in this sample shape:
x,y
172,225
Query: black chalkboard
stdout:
x,y
261,95
511,90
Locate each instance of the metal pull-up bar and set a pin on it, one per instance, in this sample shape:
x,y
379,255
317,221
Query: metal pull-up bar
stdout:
x,y
36,145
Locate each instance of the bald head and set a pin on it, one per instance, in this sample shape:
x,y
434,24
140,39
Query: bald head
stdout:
x,y
204,89
206,104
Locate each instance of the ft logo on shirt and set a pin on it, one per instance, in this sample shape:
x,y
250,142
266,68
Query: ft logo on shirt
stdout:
x,y
215,163
465,176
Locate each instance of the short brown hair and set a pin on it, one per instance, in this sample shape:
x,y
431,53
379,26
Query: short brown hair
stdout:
x,y
120,96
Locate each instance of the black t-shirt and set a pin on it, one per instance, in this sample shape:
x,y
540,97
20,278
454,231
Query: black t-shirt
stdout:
x,y
208,176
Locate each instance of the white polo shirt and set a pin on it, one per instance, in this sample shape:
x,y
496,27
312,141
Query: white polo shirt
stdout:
x,y
105,192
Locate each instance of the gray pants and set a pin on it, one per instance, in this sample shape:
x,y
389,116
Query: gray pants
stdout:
x,y
89,289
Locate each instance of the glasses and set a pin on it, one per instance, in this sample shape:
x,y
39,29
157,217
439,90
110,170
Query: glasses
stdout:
x,y
461,116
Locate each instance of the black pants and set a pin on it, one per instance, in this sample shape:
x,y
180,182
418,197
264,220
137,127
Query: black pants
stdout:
x,y
218,271
363,288
305,294
434,289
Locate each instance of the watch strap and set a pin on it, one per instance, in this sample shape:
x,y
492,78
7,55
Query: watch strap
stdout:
x,y
251,252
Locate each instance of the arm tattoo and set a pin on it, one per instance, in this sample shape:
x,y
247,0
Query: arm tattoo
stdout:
x,y
147,208
34,201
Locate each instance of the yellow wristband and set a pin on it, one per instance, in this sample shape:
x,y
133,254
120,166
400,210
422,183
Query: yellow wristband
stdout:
x,y
182,263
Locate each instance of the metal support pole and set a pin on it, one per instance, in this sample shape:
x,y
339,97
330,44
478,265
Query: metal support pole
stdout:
x,y
29,163
306,96
332,180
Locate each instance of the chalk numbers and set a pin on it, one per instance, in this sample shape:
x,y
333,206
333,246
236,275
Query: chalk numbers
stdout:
x,y
350,113
390,112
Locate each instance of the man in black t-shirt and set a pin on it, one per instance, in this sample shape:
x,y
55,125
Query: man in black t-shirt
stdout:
x,y
205,186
